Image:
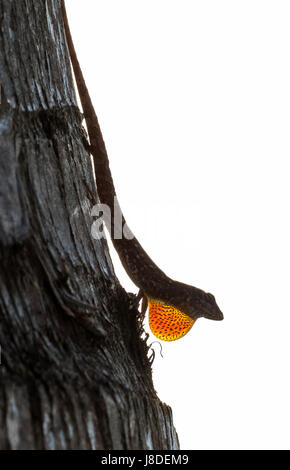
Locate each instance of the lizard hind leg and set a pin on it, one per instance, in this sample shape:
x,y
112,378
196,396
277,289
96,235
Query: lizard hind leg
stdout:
x,y
166,322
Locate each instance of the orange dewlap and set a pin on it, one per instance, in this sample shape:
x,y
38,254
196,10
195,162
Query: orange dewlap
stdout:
x,y
167,322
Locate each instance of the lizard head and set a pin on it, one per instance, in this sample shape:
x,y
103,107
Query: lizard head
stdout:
x,y
171,318
204,304
192,301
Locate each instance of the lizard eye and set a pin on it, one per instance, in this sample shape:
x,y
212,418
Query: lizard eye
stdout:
x,y
211,297
167,322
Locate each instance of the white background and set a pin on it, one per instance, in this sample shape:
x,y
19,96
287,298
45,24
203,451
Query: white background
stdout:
x,y
193,99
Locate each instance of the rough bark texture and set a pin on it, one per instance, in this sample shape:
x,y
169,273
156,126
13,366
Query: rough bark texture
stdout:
x,y
71,377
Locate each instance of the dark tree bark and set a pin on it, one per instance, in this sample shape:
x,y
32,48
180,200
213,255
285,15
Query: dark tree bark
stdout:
x,y
71,377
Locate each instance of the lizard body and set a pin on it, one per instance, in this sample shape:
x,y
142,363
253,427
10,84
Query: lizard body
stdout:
x,y
169,301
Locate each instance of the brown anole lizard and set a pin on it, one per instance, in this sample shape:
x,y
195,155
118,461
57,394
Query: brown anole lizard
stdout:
x,y
173,306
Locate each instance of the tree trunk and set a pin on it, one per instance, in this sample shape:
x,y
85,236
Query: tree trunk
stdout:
x,y
72,377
